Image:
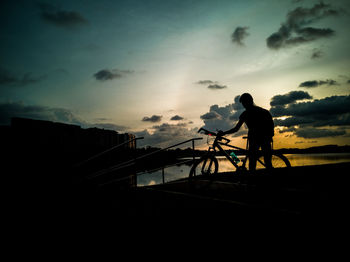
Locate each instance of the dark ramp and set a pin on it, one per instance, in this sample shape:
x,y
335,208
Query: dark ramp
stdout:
x,y
309,192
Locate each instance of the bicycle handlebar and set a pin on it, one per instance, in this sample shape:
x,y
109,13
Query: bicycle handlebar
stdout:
x,y
210,133
207,132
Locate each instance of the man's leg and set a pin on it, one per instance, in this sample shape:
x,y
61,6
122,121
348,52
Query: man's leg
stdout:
x,y
267,152
253,153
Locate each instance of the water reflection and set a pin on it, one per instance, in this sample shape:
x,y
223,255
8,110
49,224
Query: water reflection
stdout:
x,y
170,174
317,159
182,171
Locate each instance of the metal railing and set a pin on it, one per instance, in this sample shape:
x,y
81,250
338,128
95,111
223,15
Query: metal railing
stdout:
x,y
163,169
133,162
81,163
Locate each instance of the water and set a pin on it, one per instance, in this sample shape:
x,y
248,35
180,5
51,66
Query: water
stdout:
x,y
182,171
317,159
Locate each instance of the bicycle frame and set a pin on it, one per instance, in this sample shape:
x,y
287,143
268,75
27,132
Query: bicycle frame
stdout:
x,y
218,144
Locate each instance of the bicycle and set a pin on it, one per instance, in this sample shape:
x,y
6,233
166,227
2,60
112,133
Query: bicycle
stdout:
x,y
208,164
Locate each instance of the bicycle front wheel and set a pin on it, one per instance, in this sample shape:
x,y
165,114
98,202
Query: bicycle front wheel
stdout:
x,y
206,165
277,160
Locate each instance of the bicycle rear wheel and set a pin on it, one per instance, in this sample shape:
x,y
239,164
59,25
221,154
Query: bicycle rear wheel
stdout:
x,y
206,165
277,160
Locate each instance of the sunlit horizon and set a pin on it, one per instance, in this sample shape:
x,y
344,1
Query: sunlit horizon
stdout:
x,y
163,69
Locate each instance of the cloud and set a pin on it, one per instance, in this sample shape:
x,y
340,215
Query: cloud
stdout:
x,y
213,85
315,83
210,115
317,132
177,117
303,117
216,86
61,18
152,119
106,74
167,134
295,29
290,122
289,98
328,106
316,54
110,74
223,118
239,35
11,79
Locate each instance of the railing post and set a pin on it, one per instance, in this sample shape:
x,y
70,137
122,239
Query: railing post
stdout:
x,y
193,156
193,150
135,166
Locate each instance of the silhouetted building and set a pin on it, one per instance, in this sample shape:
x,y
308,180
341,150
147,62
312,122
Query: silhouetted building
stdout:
x,y
40,161
66,141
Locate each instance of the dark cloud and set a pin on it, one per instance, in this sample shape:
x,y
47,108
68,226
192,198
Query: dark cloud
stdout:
x,y
165,127
331,111
223,118
314,120
316,54
210,115
177,117
110,74
152,119
106,74
289,98
309,84
315,83
239,35
58,17
328,106
295,29
167,134
216,86
213,85
290,122
11,79
317,133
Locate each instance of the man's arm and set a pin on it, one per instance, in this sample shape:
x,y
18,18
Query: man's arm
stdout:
x,y
233,130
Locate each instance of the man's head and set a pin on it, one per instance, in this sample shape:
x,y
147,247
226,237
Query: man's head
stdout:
x,y
246,100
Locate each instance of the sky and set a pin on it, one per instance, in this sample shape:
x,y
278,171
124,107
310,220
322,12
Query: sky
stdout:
x,y
162,69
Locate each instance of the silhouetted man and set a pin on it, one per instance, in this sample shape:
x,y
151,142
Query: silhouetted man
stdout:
x,y
260,130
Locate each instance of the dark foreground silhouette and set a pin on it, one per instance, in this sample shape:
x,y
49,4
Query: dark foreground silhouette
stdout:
x,y
312,193
38,188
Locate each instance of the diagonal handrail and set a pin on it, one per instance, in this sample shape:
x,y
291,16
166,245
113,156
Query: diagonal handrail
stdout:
x,y
106,151
132,162
163,167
